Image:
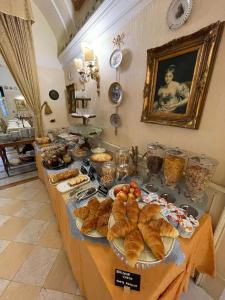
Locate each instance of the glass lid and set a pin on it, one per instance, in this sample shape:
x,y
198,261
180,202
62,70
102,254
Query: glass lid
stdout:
x,y
203,160
176,152
155,146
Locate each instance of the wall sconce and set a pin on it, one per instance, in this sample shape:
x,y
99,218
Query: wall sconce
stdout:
x,y
88,67
48,110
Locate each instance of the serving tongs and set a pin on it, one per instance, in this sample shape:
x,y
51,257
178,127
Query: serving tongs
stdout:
x,y
84,194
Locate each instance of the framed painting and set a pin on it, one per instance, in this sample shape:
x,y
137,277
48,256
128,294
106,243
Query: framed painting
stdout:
x,y
71,103
21,105
177,78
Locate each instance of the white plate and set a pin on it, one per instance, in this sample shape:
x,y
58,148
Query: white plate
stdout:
x,y
111,191
93,233
116,58
64,187
146,258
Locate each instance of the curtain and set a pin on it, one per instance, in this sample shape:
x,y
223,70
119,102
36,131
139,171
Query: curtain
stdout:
x,y
17,49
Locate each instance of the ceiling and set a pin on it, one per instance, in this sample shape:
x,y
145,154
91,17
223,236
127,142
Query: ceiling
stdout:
x,y
65,17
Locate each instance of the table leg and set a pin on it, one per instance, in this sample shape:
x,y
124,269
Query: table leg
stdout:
x,y
4,160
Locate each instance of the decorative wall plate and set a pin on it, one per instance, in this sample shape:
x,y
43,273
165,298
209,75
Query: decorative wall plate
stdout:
x,y
178,13
115,120
116,58
54,95
115,93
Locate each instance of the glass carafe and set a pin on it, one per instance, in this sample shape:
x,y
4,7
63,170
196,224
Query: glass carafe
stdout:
x,y
154,161
174,164
199,172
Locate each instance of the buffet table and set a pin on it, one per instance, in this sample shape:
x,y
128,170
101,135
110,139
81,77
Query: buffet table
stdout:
x,y
16,124
94,264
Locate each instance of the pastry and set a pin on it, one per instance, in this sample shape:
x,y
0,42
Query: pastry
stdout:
x,y
89,224
81,212
93,206
133,246
54,178
166,229
77,180
132,210
119,210
42,140
119,230
102,224
105,207
148,212
153,240
101,157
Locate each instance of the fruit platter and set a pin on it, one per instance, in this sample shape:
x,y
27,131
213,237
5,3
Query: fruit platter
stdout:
x,y
126,192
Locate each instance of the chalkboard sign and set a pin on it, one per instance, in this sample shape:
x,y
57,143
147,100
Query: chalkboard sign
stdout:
x,y
131,280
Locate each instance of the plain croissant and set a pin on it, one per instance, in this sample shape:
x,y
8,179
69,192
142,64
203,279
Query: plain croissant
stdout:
x,y
81,212
132,209
149,212
133,246
152,238
119,210
168,230
119,230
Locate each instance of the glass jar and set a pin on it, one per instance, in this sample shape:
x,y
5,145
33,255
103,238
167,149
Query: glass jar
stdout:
x,y
174,164
122,156
155,155
108,174
122,171
199,172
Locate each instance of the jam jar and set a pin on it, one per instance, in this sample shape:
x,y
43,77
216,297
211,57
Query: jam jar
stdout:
x,y
199,172
174,164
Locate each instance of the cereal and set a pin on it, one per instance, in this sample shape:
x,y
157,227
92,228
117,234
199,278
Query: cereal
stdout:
x,y
173,169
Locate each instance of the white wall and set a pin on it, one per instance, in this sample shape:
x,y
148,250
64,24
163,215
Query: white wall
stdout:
x,y
51,75
146,30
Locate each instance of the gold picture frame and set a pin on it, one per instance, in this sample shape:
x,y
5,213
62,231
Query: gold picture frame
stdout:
x,y
177,78
21,105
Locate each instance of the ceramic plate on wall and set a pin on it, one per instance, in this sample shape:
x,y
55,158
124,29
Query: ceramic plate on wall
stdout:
x,y
116,58
178,13
115,93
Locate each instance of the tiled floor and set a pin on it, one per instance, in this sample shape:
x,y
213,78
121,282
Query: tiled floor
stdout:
x,y
33,264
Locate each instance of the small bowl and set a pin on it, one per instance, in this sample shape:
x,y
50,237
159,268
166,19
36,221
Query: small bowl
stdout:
x,y
168,197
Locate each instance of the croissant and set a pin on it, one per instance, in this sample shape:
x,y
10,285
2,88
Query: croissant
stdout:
x,y
102,224
148,212
166,229
132,211
93,206
119,210
152,238
105,207
133,246
81,212
89,224
119,230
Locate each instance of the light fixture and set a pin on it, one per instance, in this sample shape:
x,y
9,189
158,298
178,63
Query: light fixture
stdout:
x,y
48,110
88,67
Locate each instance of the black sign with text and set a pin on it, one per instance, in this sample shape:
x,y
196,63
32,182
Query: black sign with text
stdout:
x,y
122,278
103,190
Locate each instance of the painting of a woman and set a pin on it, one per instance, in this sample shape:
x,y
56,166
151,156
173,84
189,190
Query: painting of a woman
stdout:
x,y
172,96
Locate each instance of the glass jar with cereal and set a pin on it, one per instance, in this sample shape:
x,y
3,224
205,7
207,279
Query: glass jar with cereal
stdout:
x,y
174,164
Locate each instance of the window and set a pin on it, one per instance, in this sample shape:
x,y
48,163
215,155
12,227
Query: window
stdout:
x,y
3,106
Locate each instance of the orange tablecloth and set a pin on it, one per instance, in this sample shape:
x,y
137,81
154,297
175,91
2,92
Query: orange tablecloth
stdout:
x,y
94,265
